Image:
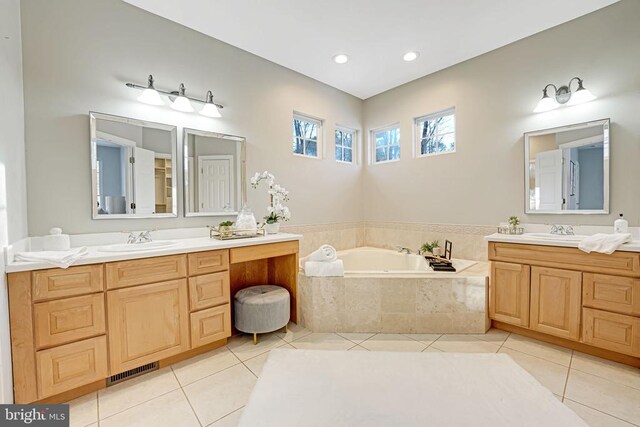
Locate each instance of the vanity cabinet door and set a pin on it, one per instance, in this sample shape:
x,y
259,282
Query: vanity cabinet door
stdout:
x,y
556,302
147,323
509,293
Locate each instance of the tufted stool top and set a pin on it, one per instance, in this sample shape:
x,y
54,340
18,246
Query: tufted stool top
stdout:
x,y
263,294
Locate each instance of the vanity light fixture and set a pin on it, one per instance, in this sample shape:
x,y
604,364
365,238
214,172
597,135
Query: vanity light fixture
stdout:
x,y
340,58
180,101
210,109
150,95
563,95
410,56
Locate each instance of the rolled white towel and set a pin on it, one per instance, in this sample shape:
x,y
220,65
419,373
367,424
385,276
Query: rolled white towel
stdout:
x,y
325,253
324,269
604,243
62,259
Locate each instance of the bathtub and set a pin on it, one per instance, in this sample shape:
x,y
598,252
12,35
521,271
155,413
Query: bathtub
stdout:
x,y
390,292
380,262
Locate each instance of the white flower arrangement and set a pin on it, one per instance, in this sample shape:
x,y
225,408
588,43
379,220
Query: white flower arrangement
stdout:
x,y
276,210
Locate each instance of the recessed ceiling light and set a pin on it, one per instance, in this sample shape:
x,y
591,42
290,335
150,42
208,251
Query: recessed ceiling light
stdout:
x,y
410,56
341,58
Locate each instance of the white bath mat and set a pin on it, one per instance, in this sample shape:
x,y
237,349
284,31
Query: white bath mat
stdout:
x,y
339,388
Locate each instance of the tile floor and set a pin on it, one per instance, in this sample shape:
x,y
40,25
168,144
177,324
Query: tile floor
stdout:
x,y
211,390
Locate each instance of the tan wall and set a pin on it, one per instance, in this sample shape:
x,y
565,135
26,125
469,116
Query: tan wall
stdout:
x,y
77,56
494,96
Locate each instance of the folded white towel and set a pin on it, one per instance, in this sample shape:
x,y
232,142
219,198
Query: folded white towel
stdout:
x,y
62,259
326,253
604,243
324,269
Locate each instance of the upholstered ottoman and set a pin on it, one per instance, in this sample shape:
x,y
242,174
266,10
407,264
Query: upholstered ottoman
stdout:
x,y
261,309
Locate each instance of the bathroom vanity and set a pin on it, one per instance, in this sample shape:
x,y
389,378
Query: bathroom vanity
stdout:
x,y
556,293
119,314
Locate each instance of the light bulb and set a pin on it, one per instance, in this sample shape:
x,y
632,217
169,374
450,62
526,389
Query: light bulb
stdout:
x,y
545,104
410,56
150,95
341,58
210,110
581,96
182,104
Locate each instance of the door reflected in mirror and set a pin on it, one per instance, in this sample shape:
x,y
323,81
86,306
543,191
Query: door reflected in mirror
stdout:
x,y
133,168
567,169
214,173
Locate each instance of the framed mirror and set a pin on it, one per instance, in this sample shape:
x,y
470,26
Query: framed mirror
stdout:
x,y
214,173
567,169
133,168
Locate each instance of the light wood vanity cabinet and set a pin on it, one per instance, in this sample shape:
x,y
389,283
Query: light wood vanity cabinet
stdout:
x,y
592,300
73,328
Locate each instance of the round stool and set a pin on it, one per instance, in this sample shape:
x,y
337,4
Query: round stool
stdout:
x,y
261,309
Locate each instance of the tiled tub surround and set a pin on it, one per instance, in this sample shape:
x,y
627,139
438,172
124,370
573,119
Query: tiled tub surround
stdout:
x,y
427,303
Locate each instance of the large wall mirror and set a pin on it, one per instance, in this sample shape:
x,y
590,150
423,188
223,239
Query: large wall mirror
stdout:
x,y
567,169
214,173
133,168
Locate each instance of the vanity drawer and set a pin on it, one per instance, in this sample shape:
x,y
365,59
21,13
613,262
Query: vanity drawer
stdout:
x,y
59,283
611,331
612,293
210,325
147,270
208,290
618,263
271,250
66,320
208,262
71,366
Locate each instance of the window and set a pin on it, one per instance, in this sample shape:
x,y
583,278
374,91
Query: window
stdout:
x,y
386,144
436,133
307,136
345,145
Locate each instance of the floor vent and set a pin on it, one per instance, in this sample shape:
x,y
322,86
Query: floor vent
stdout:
x,y
132,373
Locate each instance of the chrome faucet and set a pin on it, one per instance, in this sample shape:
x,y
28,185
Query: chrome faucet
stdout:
x,y
402,249
143,237
562,230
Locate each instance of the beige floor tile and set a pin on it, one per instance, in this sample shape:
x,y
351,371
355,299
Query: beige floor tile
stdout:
x,y
464,344
255,364
357,348
220,394
550,352
427,339
295,332
493,335
549,374
612,371
169,410
230,420
595,418
558,397
606,396
242,346
355,336
431,349
392,342
206,364
117,398
323,341
83,410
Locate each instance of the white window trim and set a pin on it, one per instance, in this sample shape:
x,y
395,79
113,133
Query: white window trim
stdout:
x,y
372,143
416,132
354,144
320,123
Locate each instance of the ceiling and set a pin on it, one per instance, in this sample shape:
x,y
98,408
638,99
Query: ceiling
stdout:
x,y
304,35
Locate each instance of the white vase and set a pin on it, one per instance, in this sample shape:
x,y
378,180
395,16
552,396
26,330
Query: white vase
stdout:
x,y
272,228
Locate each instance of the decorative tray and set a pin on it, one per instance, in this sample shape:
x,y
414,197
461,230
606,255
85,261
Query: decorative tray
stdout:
x,y
235,233
510,230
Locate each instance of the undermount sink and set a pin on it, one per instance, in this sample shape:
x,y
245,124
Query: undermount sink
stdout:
x,y
556,237
138,247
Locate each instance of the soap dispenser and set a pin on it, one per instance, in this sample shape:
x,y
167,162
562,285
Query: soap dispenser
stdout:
x,y
621,225
56,241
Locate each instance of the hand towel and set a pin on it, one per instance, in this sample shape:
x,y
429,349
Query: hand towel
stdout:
x,y
324,269
326,253
604,243
62,259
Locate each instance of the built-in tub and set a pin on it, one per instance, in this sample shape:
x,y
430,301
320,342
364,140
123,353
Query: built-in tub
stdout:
x,y
386,291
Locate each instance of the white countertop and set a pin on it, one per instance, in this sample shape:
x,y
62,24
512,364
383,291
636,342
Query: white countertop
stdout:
x,y
182,246
526,239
